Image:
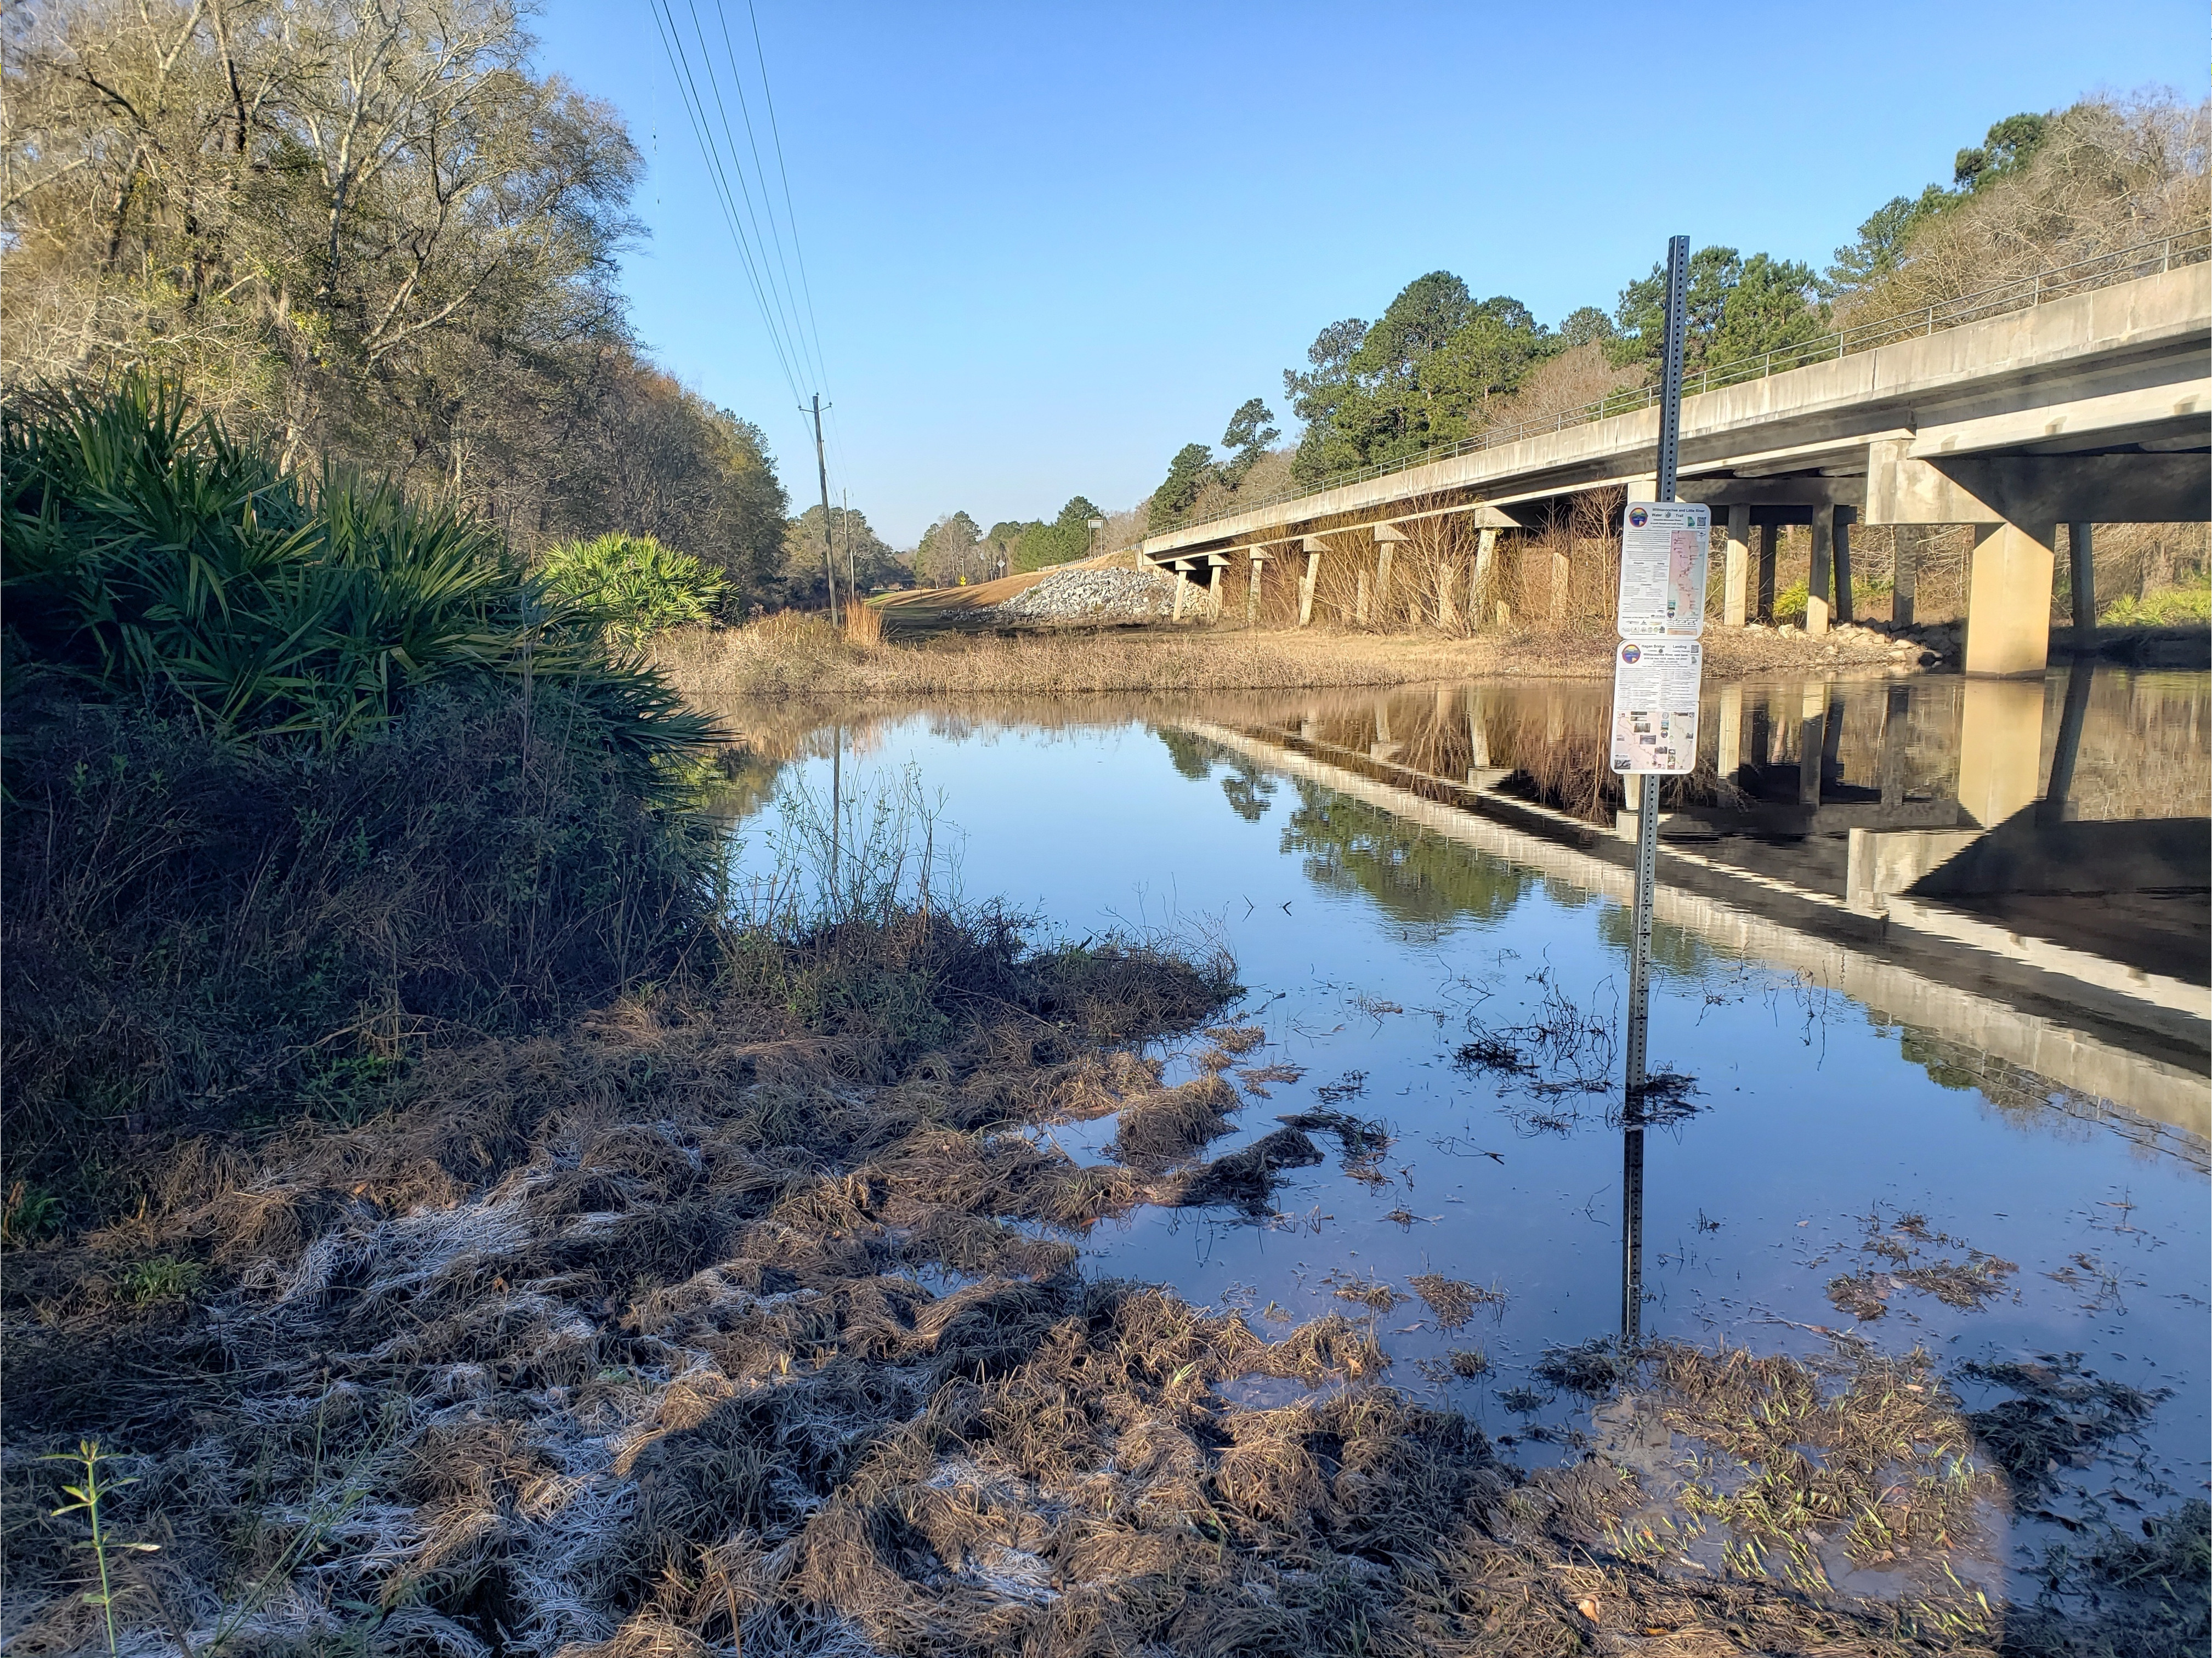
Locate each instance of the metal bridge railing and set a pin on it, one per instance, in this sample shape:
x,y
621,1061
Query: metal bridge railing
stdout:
x,y
2149,259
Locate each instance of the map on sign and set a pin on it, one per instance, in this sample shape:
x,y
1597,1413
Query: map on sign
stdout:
x,y
1654,706
1664,545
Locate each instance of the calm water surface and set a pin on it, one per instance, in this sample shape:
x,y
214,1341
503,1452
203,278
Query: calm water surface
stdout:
x,y
1373,951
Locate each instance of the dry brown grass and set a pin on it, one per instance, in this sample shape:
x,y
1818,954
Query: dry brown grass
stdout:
x,y
785,660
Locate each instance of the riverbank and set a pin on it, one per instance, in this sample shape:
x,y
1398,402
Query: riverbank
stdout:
x,y
788,659
749,1314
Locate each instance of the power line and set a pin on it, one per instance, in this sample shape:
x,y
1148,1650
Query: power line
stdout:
x,y
785,303
759,172
695,107
790,213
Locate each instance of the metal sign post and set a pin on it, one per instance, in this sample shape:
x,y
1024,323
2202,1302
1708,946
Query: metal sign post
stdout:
x,y
1658,668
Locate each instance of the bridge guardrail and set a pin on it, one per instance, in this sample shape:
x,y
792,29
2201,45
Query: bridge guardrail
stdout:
x,y
2148,258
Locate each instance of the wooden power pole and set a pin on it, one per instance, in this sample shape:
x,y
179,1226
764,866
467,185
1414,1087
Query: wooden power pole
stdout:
x,y
822,471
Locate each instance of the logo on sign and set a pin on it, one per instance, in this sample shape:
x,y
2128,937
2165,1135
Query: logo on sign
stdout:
x,y
1638,517
1632,654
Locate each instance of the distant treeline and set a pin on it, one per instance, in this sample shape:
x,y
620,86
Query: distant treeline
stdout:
x,y
1439,365
370,233
956,549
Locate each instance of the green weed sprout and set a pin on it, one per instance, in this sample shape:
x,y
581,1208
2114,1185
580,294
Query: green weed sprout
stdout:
x,y
89,1495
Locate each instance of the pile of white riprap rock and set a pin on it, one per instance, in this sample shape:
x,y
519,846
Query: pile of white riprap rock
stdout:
x,y
1092,595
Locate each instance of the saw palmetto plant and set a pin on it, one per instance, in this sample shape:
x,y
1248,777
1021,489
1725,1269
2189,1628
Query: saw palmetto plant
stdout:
x,y
145,550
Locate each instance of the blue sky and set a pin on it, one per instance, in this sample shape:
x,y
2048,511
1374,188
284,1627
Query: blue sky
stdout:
x,y
1048,245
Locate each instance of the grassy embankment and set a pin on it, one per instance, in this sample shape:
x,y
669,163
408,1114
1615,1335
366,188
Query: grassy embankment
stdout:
x,y
472,1232
791,657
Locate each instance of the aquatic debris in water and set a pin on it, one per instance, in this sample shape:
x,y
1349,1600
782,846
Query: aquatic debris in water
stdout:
x,y
1968,1284
2061,1417
2145,1590
1370,1292
1361,1142
1872,1451
1592,1369
1350,1085
1236,1039
1244,1179
1454,1301
1561,1051
1255,1079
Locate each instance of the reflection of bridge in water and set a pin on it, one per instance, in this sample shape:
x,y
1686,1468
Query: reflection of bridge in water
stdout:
x,y
2014,873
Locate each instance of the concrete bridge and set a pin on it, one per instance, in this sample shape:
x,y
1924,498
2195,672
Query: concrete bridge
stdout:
x,y
2076,398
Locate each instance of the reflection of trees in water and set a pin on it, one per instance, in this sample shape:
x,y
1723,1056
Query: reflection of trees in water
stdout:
x,y
745,782
1248,789
1194,756
1415,879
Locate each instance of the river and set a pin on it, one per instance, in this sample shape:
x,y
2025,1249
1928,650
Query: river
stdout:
x,y
1929,1092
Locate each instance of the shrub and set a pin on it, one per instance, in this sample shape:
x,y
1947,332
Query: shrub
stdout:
x,y
146,553
205,934
633,584
2173,608
296,779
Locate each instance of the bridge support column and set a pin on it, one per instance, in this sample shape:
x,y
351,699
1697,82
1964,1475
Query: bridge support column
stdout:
x,y
1252,589
1737,572
1447,600
1386,537
2082,571
1769,535
2008,599
1359,601
1905,573
1486,562
1816,580
1560,572
1183,587
1843,517
1306,584
1214,591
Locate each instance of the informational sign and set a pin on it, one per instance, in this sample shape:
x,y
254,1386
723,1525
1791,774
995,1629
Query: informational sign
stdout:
x,y
1664,547
1654,706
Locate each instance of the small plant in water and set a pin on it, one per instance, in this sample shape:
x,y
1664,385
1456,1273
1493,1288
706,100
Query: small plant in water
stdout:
x,y
87,1495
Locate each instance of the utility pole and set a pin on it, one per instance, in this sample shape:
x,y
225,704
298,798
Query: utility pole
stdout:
x,y
821,470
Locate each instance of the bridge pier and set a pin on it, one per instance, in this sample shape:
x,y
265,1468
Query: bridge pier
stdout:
x,y
1769,535
2083,585
1252,587
1313,549
1386,537
2008,599
1736,570
1816,580
1843,517
1904,573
